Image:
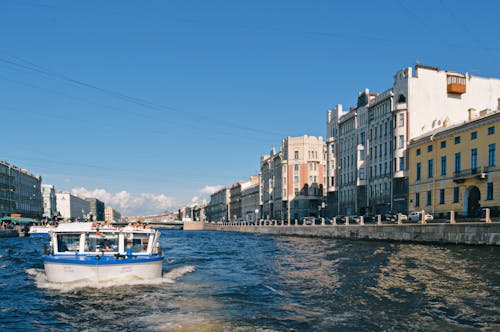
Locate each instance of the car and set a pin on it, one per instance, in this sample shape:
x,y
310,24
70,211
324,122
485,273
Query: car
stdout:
x,y
308,220
417,216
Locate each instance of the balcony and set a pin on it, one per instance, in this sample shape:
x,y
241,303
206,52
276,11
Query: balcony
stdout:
x,y
456,84
480,173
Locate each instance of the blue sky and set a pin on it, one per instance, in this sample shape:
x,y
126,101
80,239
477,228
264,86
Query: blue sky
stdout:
x,y
149,104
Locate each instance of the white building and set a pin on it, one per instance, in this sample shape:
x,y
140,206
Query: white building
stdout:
x,y
49,201
111,214
250,201
72,207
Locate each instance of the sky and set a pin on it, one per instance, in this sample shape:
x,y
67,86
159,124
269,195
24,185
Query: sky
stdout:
x,y
152,105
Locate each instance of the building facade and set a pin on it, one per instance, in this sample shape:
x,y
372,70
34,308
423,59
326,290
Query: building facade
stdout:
x,y
71,207
292,180
219,209
419,100
96,209
456,168
49,201
27,193
250,207
7,200
111,214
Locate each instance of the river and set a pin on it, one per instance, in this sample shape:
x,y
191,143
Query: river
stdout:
x,y
216,281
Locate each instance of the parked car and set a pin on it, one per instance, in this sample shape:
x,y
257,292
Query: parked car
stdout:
x,y
417,216
308,220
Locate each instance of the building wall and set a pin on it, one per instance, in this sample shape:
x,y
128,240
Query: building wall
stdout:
x,y
49,201
218,208
96,208
72,207
7,200
27,193
250,203
453,190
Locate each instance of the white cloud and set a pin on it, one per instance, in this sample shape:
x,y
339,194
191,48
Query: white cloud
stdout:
x,y
209,190
128,203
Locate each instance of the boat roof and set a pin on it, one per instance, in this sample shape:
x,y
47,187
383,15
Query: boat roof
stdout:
x,y
20,220
74,227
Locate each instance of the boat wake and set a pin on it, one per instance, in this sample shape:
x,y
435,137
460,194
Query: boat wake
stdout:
x,y
169,277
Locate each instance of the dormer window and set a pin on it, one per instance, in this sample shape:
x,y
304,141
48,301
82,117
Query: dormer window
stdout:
x,y
401,99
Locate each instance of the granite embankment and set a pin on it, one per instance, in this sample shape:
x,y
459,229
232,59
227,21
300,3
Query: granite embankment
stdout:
x,y
475,233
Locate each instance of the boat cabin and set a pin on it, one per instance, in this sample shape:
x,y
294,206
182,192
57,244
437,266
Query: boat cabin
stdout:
x,y
85,238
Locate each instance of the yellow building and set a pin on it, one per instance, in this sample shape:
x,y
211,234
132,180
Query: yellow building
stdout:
x,y
455,168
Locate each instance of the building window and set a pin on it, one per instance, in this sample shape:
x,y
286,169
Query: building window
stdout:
x,y
362,138
429,197
362,173
473,135
443,144
295,179
296,167
401,119
311,166
419,152
491,130
401,141
401,163
429,148
419,171
332,180
443,165
456,192
492,154
457,140
441,196
473,159
417,199
430,171
385,149
489,191
296,155
361,154
457,162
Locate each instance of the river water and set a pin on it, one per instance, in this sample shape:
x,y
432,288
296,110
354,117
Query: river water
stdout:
x,y
215,281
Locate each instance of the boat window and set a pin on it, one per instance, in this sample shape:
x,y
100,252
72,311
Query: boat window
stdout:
x,y
104,243
138,242
68,242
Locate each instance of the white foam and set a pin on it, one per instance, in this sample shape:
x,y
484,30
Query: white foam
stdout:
x,y
170,277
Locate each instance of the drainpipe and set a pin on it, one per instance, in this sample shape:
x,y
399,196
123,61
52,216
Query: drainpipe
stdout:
x,y
434,166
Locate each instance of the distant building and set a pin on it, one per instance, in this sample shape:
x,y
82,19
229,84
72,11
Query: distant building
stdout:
x,y
456,168
20,191
250,207
111,214
96,208
292,180
235,201
218,209
72,207
49,201
7,200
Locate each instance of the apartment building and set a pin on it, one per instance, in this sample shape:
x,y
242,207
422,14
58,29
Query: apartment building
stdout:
x,y
219,209
418,101
7,200
49,201
72,207
455,168
292,180
96,209
111,214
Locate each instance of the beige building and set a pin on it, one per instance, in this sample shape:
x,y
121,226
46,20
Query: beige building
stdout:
x,y
455,168
292,180
111,214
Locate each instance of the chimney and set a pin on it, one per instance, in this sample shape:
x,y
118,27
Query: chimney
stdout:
x,y
472,113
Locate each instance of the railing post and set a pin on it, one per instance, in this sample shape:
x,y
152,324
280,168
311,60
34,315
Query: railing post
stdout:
x,y
452,217
361,220
347,220
335,221
422,217
400,222
487,215
379,219
322,221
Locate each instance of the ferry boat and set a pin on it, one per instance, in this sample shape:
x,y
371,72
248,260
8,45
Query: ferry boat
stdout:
x,y
40,230
85,251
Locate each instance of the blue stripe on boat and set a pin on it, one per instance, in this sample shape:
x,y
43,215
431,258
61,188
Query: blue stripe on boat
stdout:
x,y
103,260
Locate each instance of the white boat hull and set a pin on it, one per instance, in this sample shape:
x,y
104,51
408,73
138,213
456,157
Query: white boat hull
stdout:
x,y
67,272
